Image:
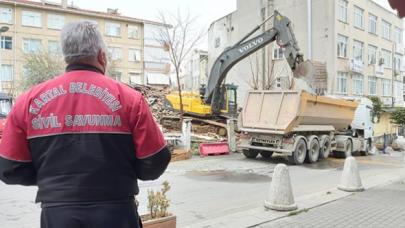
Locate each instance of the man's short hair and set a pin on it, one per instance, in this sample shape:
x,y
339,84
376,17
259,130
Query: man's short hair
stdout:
x,y
81,41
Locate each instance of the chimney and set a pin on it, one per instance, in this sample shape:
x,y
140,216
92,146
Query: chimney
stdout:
x,y
113,11
64,4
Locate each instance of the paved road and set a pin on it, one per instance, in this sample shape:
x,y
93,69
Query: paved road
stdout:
x,y
212,187
379,207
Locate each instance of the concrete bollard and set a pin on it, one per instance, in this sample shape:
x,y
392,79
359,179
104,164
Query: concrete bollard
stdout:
x,y
280,197
186,134
231,134
350,180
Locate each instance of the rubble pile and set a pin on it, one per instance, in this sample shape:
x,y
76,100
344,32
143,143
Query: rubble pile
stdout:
x,y
156,100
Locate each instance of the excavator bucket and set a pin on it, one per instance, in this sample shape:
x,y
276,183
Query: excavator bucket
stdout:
x,y
304,70
304,77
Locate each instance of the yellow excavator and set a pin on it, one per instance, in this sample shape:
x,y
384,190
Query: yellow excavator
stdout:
x,y
216,100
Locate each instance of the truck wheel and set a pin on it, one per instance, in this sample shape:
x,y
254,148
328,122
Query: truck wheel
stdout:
x,y
325,147
299,154
313,151
348,148
250,153
266,154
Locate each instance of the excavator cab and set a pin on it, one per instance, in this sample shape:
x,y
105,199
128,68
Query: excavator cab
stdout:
x,y
228,99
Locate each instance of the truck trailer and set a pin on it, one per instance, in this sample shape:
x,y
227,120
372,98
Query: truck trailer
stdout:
x,y
304,127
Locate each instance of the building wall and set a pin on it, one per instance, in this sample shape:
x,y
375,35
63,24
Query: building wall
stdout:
x,y
195,71
229,30
156,58
385,125
363,35
123,65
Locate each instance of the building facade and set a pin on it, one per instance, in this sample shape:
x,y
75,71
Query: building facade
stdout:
x,y
157,63
359,41
196,71
35,27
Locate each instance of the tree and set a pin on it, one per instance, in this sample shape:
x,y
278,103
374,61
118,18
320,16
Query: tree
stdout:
x,y
180,36
254,70
40,67
377,108
398,116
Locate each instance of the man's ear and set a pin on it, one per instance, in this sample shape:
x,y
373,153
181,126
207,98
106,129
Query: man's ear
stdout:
x,y
102,59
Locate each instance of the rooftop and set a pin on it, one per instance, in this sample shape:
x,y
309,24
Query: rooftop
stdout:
x,y
111,14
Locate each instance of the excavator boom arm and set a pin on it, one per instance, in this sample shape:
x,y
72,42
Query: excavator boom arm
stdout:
x,y
281,31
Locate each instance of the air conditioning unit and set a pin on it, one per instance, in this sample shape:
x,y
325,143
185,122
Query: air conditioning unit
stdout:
x,y
381,61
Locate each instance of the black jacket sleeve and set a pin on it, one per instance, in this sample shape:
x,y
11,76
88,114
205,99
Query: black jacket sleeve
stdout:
x,y
15,172
152,167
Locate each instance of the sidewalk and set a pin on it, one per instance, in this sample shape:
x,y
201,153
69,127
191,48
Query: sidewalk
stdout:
x,y
378,207
315,201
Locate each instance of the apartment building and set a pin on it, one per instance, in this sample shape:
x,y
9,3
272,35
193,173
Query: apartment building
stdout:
x,y
196,70
35,27
156,58
359,41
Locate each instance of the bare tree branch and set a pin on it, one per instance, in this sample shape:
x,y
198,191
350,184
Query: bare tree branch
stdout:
x,y
180,38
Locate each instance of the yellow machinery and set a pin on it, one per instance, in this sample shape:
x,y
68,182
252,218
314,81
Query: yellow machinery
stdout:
x,y
194,104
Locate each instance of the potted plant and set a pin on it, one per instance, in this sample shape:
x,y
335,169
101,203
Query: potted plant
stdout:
x,y
158,216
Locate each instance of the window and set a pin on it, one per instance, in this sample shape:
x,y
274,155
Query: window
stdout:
x,y
358,17
6,42
398,62
358,50
372,23
54,47
342,46
133,32
6,15
31,45
30,18
358,84
372,85
342,10
112,29
341,83
6,73
115,53
56,21
135,78
386,30
116,75
398,35
372,54
217,42
386,87
278,53
134,55
386,56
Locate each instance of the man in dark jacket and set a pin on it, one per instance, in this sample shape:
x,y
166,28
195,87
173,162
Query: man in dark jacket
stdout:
x,y
84,140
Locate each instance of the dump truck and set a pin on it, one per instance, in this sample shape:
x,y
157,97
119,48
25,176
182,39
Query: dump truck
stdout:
x,y
303,126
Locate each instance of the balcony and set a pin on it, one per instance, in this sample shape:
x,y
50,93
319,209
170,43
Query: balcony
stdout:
x,y
158,66
356,66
